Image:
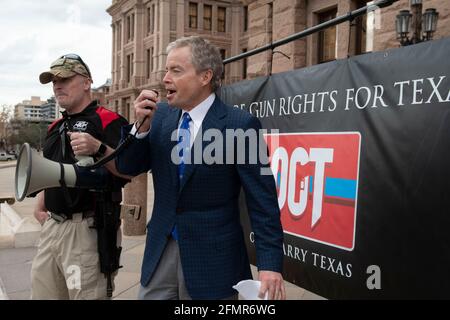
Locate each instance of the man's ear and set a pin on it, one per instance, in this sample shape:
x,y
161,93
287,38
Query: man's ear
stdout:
x,y
87,83
206,76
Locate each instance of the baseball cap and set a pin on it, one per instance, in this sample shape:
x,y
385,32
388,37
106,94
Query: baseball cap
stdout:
x,y
66,66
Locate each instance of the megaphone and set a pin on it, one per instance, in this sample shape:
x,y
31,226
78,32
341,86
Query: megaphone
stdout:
x,y
35,173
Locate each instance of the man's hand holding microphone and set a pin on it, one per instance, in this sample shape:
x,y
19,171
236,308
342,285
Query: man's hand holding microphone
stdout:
x,y
145,107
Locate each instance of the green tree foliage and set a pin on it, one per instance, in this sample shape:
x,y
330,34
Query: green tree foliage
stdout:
x,y
33,133
15,132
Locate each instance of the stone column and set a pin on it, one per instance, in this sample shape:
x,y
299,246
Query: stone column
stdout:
x,y
139,62
289,18
117,61
260,20
342,31
200,16
236,30
134,205
164,36
122,52
214,19
269,32
134,208
156,49
180,18
113,55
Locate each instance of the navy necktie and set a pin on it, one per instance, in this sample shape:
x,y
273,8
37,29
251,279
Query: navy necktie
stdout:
x,y
184,139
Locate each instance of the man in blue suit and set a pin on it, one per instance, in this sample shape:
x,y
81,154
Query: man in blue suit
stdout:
x,y
195,246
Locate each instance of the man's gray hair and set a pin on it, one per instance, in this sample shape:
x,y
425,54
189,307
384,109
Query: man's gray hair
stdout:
x,y
204,56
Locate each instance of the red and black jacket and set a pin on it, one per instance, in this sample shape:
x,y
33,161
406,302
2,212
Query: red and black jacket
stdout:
x,y
99,122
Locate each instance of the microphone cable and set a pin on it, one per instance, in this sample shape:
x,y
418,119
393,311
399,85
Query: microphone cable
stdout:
x,y
130,138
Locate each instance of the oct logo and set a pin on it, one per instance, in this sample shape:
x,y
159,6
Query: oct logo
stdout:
x,y
317,183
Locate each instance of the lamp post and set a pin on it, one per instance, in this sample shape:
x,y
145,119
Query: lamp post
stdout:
x,y
422,25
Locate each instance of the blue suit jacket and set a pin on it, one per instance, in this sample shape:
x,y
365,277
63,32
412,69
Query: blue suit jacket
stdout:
x,y
205,205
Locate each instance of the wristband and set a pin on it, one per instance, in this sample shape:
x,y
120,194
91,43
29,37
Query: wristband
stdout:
x,y
101,151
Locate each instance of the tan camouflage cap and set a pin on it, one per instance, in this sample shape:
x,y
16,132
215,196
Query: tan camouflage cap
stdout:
x,y
65,67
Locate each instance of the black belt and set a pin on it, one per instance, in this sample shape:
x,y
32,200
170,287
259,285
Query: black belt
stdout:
x,y
61,217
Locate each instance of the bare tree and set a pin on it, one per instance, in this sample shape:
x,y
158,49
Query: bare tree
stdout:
x,y
5,114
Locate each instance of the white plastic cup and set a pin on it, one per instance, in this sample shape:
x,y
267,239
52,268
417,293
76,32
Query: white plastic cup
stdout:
x,y
249,289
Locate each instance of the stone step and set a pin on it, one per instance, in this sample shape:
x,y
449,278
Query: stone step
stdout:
x,y
15,231
3,295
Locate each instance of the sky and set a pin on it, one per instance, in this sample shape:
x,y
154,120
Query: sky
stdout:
x,y
35,33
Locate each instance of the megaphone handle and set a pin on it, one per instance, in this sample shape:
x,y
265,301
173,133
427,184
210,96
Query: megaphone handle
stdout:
x,y
84,161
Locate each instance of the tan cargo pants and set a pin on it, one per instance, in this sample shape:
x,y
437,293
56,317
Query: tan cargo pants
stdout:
x,y
67,264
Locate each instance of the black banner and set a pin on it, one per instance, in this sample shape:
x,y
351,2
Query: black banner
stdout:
x,y
362,164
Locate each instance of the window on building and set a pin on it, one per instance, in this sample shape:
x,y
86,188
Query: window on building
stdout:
x,y
244,65
193,10
126,103
152,53
130,27
362,30
223,53
147,64
119,35
245,20
114,36
207,17
221,19
149,20
132,64
127,108
327,37
129,67
152,26
118,68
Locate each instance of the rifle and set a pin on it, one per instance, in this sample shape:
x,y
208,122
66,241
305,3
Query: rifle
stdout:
x,y
107,223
